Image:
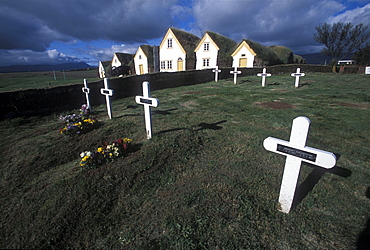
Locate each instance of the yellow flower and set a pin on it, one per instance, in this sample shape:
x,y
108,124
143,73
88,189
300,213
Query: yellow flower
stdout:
x,y
126,140
100,149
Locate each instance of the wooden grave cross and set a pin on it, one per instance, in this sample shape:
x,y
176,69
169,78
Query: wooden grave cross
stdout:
x,y
148,102
296,152
108,93
297,75
263,74
236,73
216,73
86,90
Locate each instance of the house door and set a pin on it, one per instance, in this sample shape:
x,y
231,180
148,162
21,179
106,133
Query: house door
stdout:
x,y
180,65
243,62
141,69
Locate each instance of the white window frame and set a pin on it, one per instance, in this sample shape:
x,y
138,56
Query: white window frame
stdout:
x,y
205,62
206,46
169,43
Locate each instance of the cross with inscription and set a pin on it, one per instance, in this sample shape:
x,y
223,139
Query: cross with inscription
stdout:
x,y
263,74
236,73
107,92
148,103
297,75
216,71
296,152
86,90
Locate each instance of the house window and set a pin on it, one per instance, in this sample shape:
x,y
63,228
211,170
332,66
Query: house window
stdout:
x,y
243,55
139,57
163,64
206,47
206,62
169,64
169,43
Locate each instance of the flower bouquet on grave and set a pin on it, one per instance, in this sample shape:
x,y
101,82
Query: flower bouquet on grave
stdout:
x,y
77,124
107,153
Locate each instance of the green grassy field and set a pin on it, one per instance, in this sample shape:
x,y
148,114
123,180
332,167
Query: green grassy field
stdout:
x,y
204,181
35,80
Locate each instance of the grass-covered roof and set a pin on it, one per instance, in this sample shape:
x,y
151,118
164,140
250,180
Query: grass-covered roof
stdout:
x,y
265,56
125,58
226,46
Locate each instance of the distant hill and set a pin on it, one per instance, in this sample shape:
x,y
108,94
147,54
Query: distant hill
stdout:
x,y
44,67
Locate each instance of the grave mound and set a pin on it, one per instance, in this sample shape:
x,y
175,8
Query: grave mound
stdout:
x,y
276,105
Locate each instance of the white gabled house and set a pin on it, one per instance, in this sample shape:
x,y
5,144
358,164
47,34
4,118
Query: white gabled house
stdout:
x,y
104,69
214,50
206,53
121,64
243,56
176,51
146,59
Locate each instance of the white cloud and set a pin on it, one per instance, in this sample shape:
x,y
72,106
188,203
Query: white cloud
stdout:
x,y
272,22
19,57
355,16
106,54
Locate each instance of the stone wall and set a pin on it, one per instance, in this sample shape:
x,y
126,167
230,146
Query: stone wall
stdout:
x,y
63,98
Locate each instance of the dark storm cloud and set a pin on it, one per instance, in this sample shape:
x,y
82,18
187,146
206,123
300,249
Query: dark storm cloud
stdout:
x,y
273,22
39,22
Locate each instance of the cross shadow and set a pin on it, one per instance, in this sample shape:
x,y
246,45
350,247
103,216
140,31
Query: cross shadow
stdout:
x,y
273,84
163,112
213,126
363,241
314,177
303,84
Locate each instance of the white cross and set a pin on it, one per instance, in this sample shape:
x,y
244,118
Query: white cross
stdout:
x,y
263,74
296,152
107,92
148,103
86,90
297,75
235,72
216,73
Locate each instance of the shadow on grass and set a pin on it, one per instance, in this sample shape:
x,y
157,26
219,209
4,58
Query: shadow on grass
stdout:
x,y
273,84
163,112
212,126
363,241
313,178
203,126
303,84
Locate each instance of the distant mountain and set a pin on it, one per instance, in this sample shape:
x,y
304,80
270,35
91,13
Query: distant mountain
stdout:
x,y
44,67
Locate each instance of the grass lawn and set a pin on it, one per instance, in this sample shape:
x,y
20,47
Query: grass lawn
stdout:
x,y
35,80
204,181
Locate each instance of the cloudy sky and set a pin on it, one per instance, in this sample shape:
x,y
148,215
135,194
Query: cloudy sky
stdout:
x,y
58,31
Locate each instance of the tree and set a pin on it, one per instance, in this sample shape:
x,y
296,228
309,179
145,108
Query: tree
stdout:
x,y
363,55
341,39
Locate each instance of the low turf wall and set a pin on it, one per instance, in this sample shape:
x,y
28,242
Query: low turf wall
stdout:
x,y
58,99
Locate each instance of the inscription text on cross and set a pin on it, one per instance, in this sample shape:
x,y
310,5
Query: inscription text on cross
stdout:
x,y
148,102
108,93
236,73
86,90
263,74
216,71
297,75
296,152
